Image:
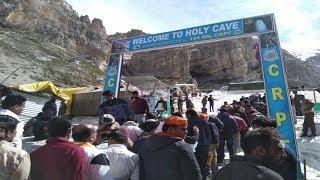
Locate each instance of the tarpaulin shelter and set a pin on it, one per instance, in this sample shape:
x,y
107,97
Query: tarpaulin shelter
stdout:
x,y
48,87
150,87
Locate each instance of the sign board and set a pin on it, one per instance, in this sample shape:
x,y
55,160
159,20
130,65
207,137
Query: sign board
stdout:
x,y
276,87
197,34
113,71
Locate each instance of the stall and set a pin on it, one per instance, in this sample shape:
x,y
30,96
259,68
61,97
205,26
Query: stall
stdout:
x,y
150,88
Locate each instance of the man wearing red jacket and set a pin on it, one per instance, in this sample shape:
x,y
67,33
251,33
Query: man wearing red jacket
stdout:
x,y
139,106
242,126
59,158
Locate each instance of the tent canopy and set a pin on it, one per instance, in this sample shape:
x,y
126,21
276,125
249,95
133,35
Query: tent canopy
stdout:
x,y
64,94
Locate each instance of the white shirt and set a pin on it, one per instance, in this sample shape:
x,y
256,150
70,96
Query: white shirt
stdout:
x,y
14,163
17,140
95,171
134,131
124,164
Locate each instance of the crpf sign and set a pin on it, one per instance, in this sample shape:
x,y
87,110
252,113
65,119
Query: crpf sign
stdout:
x,y
113,72
270,51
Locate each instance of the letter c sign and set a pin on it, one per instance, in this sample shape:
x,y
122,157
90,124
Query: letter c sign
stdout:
x,y
111,82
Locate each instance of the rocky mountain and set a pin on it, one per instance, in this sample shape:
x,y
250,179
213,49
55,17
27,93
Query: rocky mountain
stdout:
x,y
50,31
216,64
48,40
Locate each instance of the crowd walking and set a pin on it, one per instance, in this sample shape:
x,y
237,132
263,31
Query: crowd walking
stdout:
x,y
131,142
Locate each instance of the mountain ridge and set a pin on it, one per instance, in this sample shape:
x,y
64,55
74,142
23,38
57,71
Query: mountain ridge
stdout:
x,y
48,40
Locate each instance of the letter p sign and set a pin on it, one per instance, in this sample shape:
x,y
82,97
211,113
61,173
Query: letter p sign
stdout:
x,y
280,117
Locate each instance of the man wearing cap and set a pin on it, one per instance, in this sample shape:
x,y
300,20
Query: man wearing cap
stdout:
x,y
165,155
14,162
107,123
139,106
117,107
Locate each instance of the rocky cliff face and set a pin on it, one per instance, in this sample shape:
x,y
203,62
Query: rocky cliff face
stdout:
x,y
47,40
302,73
57,22
209,64
216,64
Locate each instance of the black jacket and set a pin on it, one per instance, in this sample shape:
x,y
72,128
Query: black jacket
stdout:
x,y
217,122
117,107
248,168
166,158
230,127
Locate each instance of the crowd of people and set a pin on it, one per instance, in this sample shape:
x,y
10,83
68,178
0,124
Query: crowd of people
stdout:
x,y
133,143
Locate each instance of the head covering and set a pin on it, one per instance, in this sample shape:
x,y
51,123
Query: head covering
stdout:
x,y
175,121
130,123
107,119
149,125
6,120
135,92
107,93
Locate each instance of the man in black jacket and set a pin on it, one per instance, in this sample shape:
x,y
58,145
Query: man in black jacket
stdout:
x,y
230,129
211,103
213,119
262,150
165,155
117,107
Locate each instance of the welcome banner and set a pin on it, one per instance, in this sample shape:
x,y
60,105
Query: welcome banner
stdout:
x,y
238,27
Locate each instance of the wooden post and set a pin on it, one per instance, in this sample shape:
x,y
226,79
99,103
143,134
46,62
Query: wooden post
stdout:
x,y
304,170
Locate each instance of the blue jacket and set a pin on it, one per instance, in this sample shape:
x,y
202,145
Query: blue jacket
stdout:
x,y
207,133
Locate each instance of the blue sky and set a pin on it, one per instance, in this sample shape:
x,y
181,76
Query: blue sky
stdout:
x,y
298,21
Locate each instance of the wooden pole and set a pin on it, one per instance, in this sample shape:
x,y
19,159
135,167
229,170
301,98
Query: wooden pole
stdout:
x,y
304,170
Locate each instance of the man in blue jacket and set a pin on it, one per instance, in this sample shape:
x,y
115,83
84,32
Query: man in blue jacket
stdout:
x,y
208,135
